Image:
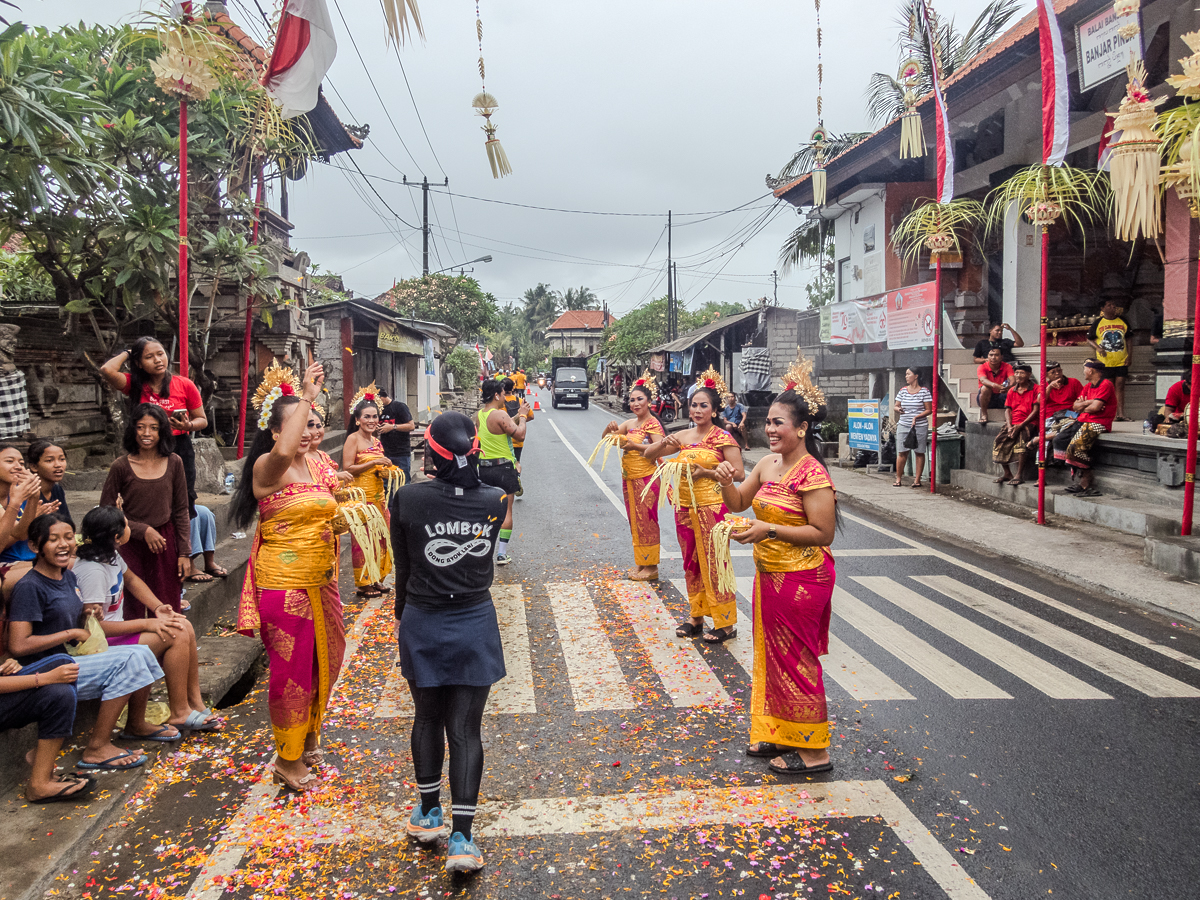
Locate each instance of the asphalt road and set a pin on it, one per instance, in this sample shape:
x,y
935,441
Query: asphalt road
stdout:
x,y
997,736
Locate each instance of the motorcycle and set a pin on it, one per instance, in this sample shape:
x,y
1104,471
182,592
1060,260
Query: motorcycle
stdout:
x,y
541,382
667,407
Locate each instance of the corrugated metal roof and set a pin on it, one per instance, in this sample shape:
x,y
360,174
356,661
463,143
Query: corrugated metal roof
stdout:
x,y
692,338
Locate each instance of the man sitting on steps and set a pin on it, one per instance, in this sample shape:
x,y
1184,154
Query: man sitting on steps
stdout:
x,y
1097,407
995,377
1020,426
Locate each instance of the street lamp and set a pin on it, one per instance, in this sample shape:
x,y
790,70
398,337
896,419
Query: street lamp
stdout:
x,y
482,259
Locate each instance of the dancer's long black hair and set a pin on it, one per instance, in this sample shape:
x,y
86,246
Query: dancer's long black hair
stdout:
x,y
137,375
244,505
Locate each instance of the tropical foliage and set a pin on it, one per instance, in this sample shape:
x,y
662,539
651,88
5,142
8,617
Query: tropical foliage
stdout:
x,y
953,223
454,300
463,363
636,332
803,160
885,95
812,244
1043,193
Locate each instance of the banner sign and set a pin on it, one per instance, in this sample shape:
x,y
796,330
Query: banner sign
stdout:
x,y
429,357
392,338
656,363
863,421
910,313
1103,54
858,321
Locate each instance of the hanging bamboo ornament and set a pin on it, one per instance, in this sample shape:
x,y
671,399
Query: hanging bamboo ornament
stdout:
x,y
396,13
1135,161
1128,9
1187,85
485,104
182,69
912,131
818,141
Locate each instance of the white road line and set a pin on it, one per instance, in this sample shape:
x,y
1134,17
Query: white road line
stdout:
x,y
225,857
1033,670
670,811
684,673
597,681
1108,662
607,491
395,701
956,680
1112,628
514,693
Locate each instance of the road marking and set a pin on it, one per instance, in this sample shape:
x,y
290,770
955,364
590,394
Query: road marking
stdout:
x,y
514,692
227,854
1033,670
1112,628
597,681
607,491
395,700
683,672
955,679
670,811
1108,662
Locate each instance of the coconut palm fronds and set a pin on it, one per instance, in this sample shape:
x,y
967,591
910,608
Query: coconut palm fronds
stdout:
x,y
721,532
939,227
670,474
607,442
1179,131
396,13
804,160
1043,193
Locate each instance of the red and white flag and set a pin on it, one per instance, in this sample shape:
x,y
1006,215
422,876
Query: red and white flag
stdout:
x,y
945,150
1056,100
304,50
1109,135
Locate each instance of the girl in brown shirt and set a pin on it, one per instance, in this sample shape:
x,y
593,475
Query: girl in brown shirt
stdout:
x,y
149,484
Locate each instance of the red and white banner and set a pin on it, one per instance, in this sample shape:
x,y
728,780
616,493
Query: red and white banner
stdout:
x,y
304,50
945,149
1056,104
910,313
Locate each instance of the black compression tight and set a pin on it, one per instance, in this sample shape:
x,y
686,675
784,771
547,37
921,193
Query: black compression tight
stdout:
x,y
451,713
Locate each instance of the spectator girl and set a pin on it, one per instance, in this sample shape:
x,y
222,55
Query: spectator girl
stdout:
x,y
104,578
914,407
44,616
44,692
149,485
20,504
703,447
149,380
795,518
361,455
47,460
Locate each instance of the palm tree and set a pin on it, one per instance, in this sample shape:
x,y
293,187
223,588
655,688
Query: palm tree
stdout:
x,y
804,158
583,298
885,95
542,307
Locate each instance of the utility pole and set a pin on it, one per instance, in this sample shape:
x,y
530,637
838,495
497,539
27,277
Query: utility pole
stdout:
x,y
671,335
775,275
424,226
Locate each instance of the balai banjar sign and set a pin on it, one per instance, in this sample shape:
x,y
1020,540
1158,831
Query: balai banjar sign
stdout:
x,y
1103,54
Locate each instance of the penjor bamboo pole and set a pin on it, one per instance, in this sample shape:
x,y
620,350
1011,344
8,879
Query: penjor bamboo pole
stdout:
x,y
937,375
183,230
1189,478
246,345
1041,506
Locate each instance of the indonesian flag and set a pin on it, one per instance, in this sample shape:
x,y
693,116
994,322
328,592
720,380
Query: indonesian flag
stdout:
x,y
945,150
1109,135
304,50
1056,103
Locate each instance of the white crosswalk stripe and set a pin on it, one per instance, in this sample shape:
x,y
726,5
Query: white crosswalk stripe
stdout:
x,y
514,693
597,681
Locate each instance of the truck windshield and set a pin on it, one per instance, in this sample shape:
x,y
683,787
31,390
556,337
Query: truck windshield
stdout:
x,y
568,376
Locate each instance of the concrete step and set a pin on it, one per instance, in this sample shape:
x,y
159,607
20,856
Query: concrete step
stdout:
x,y
1175,555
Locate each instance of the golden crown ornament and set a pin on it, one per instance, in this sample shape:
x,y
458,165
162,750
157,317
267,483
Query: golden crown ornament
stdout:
x,y
710,378
277,381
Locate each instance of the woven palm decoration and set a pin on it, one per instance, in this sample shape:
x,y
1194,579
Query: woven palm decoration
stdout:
x,y
396,13
723,559
1127,12
485,104
1180,130
670,473
1187,85
1135,161
912,131
277,381
820,137
609,441
184,69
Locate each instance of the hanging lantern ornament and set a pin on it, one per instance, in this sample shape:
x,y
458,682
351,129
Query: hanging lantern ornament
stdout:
x,y
1128,9
1135,160
485,104
912,132
182,69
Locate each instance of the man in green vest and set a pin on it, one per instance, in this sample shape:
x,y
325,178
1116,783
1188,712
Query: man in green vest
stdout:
x,y
498,464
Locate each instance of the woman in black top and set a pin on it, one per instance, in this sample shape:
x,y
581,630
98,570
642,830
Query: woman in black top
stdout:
x,y
444,536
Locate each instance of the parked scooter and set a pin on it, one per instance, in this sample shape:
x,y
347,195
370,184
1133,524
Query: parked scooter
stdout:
x,y
668,406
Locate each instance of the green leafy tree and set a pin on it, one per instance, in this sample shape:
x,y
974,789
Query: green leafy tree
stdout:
x,y
463,363
629,339
542,307
457,301
812,244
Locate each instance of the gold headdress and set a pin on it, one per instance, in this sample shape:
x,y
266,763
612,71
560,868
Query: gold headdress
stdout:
x,y
646,380
798,378
370,392
278,381
711,378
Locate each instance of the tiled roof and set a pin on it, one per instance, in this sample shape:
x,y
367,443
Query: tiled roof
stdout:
x,y
1026,27
579,319
220,23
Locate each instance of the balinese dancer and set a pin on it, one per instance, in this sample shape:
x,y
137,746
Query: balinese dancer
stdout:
x,y
795,518
444,534
290,594
698,507
316,436
637,473
363,457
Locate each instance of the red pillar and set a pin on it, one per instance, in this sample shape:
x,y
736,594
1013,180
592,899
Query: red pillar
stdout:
x,y
183,225
1041,506
1189,478
937,376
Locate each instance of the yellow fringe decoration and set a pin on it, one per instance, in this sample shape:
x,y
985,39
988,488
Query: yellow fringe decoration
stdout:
x,y
607,442
721,532
396,13
912,135
670,473
497,158
393,478
367,526
818,184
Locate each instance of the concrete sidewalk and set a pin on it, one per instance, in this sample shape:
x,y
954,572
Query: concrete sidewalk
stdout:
x,y
1099,559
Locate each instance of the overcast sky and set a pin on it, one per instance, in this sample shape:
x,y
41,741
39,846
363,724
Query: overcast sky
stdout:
x,y
621,107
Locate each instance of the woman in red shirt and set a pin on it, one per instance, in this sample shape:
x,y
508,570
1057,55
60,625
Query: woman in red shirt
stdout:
x,y
1097,407
149,380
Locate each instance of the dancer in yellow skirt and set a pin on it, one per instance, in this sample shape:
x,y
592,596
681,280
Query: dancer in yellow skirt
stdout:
x,y
796,516
636,473
698,508
362,455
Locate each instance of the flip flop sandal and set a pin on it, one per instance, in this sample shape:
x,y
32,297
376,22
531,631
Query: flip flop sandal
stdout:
x,y
767,750
198,721
217,572
1072,489
200,578
917,484
720,635
107,765
66,795
688,630
897,484
1090,492
368,593
794,765
158,735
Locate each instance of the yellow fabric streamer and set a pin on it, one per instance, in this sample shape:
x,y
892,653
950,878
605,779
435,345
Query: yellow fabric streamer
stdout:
x,y
607,442
670,473
722,557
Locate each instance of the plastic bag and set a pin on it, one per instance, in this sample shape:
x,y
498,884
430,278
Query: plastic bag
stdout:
x,y
96,642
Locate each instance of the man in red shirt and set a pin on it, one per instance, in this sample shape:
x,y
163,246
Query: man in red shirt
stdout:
x,y
995,378
1020,418
1175,407
1096,407
1061,394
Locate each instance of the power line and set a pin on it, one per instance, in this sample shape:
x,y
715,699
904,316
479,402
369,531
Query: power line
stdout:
x,y
367,182
416,109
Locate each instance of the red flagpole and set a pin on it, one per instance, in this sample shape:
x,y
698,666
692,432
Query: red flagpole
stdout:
x,y
246,346
1041,507
183,230
937,376
1189,478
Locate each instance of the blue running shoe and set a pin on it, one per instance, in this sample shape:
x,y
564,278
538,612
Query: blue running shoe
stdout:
x,y
503,559
462,855
428,827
